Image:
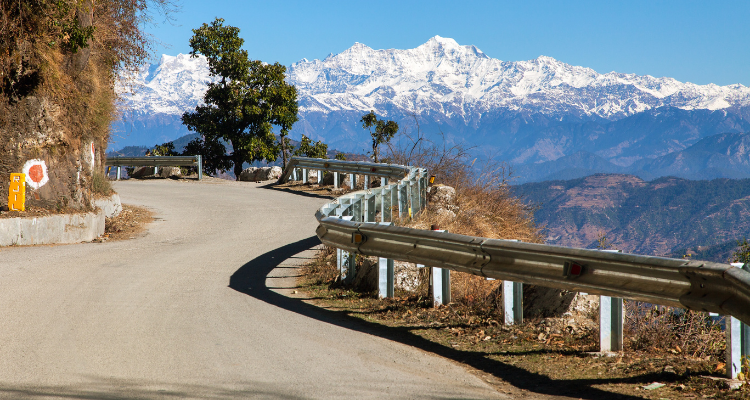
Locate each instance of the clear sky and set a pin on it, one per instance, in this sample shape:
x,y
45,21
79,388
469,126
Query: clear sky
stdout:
x,y
694,41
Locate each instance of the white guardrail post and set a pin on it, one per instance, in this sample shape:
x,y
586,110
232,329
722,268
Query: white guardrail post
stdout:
x,y
346,261
385,274
440,283
335,180
611,319
512,294
738,339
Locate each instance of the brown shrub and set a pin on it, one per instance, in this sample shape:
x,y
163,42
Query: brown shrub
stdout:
x,y
668,329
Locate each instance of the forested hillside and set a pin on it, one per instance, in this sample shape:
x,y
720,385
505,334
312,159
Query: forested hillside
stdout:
x,y
666,216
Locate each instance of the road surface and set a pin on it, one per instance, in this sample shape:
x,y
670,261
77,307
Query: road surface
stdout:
x,y
198,307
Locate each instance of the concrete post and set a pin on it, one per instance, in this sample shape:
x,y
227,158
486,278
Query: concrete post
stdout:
x,y
440,282
512,293
734,346
320,177
610,324
383,181
118,172
346,261
200,167
353,180
738,339
304,175
366,182
335,180
611,318
385,277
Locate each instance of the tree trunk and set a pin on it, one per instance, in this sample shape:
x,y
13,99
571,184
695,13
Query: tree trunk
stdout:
x,y
85,19
283,152
237,167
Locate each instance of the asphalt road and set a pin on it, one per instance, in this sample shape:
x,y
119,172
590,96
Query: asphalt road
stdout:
x,y
198,307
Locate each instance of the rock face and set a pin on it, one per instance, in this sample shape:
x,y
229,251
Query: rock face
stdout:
x,y
256,174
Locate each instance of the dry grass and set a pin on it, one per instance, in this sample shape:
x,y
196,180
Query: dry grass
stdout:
x,y
665,330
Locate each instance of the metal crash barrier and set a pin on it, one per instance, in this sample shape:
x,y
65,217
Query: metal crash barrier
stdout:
x,y
156,161
350,223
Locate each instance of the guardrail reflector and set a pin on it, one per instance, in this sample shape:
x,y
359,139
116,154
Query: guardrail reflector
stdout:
x,y
358,238
572,270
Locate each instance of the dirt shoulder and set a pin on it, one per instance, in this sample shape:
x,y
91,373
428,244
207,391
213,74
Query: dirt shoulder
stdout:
x,y
541,358
129,224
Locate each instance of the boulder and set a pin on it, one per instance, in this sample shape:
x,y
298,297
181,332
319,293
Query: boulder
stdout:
x,y
328,178
248,174
142,172
269,173
256,174
169,172
442,199
442,196
366,279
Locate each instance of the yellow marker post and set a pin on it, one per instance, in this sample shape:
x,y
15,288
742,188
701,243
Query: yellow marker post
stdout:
x,y
17,192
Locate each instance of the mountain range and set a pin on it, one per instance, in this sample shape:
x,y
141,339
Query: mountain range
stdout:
x,y
532,113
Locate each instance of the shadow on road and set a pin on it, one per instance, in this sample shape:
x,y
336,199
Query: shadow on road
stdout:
x,y
273,186
250,279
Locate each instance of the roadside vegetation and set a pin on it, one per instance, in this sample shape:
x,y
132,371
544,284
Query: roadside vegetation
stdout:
x,y
60,63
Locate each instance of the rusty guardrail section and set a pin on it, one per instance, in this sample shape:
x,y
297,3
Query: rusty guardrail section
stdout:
x,y
695,285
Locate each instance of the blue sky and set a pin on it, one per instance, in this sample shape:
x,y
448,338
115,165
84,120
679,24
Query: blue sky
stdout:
x,y
695,41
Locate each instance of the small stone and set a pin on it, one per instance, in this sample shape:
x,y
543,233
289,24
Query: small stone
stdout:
x,y
294,292
653,386
669,370
733,384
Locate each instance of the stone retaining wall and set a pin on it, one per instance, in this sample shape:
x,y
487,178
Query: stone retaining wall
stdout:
x,y
62,228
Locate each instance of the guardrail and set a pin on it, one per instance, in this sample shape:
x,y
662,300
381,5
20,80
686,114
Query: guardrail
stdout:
x,y
156,161
695,285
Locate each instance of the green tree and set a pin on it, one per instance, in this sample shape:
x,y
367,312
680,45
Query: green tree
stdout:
x,y
243,106
308,148
164,149
213,153
742,254
383,133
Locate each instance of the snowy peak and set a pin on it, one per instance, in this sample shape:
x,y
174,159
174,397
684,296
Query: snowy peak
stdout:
x,y
441,77
173,86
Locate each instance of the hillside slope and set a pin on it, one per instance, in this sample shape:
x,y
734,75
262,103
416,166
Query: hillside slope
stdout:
x,y
653,218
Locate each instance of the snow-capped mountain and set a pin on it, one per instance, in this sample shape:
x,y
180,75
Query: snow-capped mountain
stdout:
x,y
173,86
524,111
444,77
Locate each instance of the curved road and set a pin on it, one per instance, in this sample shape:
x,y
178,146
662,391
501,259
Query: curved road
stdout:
x,y
198,307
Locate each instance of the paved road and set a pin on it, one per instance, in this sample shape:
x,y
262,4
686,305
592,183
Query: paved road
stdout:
x,y
197,308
